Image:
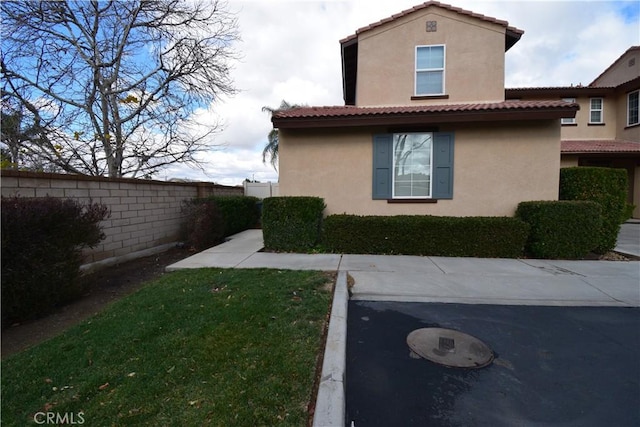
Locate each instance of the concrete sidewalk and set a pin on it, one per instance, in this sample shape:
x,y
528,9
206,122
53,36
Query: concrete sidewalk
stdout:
x,y
629,238
444,279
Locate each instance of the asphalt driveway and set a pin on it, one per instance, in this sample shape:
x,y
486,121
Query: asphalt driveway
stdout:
x,y
554,366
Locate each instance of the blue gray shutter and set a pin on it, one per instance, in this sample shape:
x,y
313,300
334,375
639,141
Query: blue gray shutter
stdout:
x,y
382,165
442,165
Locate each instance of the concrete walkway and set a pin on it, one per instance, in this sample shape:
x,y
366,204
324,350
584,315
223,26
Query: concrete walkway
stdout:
x,y
444,279
629,238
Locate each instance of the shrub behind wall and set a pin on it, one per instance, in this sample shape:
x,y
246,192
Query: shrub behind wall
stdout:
x,y
291,223
498,237
42,241
561,229
605,186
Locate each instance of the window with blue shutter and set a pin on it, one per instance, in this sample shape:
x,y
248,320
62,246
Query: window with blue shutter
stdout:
x,y
413,166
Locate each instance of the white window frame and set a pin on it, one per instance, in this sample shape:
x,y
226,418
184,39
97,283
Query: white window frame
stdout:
x,y
599,110
393,167
637,107
417,70
568,120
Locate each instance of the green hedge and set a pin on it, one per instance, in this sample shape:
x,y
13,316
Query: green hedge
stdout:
x,y
605,186
42,242
209,220
498,237
561,229
291,224
239,213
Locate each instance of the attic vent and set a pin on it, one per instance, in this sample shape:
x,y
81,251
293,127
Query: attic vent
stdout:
x,y
432,26
632,61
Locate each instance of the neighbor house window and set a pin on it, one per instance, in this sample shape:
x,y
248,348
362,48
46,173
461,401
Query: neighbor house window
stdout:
x,y
632,108
429,70
568,120
412,165
595,112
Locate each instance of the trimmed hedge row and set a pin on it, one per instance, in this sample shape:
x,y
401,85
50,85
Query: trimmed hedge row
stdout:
x,y
42,242
210,219
561,229
605,186
491,237
291,224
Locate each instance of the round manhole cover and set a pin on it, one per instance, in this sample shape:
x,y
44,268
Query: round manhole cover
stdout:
x,y
449,348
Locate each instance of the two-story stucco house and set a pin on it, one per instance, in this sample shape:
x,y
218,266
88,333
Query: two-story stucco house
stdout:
x,y
606,130
425,128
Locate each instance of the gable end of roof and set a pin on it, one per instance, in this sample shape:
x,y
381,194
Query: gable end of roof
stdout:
x,y
349,45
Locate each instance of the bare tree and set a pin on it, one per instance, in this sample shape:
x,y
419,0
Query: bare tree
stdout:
x,y
117,83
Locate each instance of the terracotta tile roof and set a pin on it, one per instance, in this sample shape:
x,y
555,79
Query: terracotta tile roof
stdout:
x,y
564,88
600,146
558,92
440,113
350,111
505,24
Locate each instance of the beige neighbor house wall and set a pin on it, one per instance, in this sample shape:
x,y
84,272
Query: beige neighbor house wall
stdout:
x,y
583,130
145,215
496,166
624,132
474,59
624,69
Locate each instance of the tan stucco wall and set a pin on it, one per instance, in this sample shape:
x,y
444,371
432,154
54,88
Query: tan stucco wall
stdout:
x,y
568,161
627,68
583,130
474,59
631,133
495,167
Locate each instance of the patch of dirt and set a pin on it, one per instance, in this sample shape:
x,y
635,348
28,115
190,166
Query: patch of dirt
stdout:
x,y
615,256
105,286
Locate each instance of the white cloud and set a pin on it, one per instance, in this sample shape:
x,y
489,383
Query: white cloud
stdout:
x,y
290,50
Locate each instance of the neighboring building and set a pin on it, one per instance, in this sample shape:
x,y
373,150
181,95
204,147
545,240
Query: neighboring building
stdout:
x,y
426,128
606,130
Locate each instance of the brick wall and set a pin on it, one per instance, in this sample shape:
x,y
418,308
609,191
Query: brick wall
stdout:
x,y
145,215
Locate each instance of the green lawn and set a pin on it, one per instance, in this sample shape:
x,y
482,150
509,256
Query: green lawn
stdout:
x,y
198,347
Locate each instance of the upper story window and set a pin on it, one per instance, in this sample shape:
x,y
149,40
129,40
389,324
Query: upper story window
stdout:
x,y
632,108
596,106
430,70
568,120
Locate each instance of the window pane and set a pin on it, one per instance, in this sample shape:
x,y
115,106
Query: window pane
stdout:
x,y
632,112
429,57
596,117
596,103
420,188
412,165
429,82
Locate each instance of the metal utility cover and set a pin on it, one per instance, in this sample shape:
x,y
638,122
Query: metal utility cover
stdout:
x,y
449,348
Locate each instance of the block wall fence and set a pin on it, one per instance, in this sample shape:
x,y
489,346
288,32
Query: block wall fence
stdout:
x,y
145,215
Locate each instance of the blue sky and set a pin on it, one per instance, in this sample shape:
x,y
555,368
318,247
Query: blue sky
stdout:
x,y
290,50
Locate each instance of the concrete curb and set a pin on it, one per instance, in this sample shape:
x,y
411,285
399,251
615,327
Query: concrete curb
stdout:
x,y
330,403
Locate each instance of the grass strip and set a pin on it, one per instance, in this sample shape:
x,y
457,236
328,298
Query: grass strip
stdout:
x,y
197,347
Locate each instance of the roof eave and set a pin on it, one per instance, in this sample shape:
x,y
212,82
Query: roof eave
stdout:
x,y
421,118
516,93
